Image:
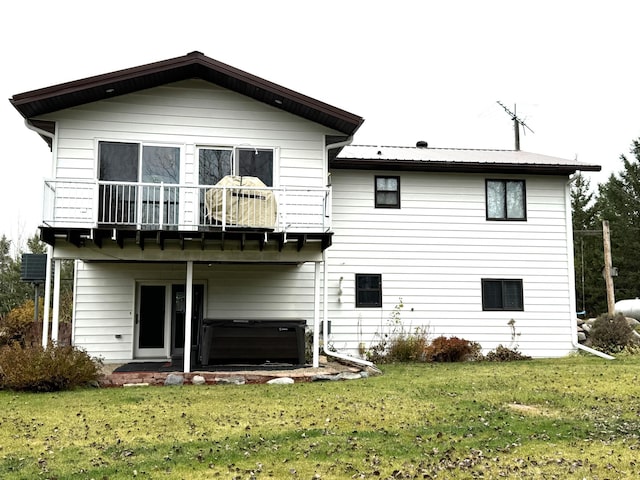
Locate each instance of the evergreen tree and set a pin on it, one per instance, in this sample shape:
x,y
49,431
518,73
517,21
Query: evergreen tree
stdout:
x,y
588,253
619,203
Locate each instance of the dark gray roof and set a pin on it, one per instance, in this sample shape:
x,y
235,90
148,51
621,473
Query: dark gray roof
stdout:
x,y
455,160
193,65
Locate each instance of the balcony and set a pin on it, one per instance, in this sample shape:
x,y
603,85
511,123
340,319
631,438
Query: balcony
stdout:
x,y
75,205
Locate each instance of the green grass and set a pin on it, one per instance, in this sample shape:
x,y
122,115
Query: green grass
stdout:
x,y
577,417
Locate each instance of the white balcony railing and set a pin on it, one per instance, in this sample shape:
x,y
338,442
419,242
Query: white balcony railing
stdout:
x,y
92,204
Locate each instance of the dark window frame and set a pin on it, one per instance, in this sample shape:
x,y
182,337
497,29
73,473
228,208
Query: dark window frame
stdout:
x,y
506,217
376,192
361,291
500,305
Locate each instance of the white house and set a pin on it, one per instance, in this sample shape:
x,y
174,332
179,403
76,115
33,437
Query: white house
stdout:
x,y
212,211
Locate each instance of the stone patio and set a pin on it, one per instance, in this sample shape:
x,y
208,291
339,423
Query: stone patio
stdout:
x,y
327,371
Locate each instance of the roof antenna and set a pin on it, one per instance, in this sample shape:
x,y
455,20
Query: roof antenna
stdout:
x,y
516,124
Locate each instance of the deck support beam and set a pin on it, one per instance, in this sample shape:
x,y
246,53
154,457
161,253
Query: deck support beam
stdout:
x,y
187,317
47,298
55,321
316,315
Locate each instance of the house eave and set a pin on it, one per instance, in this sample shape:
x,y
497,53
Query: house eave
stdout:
x,y
193,65
459,167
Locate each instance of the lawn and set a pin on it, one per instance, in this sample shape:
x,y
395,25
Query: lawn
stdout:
x,y
577,417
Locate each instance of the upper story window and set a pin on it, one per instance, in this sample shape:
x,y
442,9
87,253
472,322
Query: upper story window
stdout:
x,y
499,294
506,200
387,192
215,163
368,290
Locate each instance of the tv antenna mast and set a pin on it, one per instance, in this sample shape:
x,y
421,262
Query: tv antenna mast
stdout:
x,y
517,122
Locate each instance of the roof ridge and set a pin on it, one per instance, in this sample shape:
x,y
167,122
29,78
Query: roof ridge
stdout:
x,y
408,147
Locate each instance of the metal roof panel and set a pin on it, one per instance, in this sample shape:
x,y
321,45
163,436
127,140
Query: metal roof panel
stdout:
x,y
452,159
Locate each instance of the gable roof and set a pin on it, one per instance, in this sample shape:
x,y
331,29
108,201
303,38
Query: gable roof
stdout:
x,y
455,160
193,65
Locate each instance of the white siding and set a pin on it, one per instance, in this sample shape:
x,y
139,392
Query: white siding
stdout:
x,y
105,298
434,251
190,113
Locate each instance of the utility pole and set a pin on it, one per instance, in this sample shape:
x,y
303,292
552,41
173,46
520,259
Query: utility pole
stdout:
x,y
608,277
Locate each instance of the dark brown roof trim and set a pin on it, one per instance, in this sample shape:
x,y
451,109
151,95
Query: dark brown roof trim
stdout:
x,y
193,65
460,167
47,127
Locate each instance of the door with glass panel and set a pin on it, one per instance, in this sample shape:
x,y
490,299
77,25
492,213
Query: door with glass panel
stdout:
x,y
215,163
122,200
152,322
160,166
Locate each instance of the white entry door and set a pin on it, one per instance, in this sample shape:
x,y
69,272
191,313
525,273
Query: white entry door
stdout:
x,y
153,317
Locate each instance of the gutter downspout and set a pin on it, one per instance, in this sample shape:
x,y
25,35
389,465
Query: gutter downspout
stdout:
x,y
331,146
325,323
325,283
572,278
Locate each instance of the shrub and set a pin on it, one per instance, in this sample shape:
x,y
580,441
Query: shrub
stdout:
x,y
399,346
407,347
611,334
15,325
36,369
452,349
504,354
398,343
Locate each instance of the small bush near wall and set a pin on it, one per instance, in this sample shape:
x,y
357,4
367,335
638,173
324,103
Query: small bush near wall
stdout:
x,y
504,354
611,334
407,348
35,369
452,349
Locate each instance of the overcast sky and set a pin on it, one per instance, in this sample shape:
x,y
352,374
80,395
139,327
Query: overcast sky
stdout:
x,y
415,70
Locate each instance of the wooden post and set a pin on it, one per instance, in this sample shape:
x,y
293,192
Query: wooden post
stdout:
x,y
608,279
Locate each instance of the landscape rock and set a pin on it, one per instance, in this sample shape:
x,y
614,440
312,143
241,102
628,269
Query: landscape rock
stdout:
x,y
174,379
198,380
348,376
238,380
281,381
